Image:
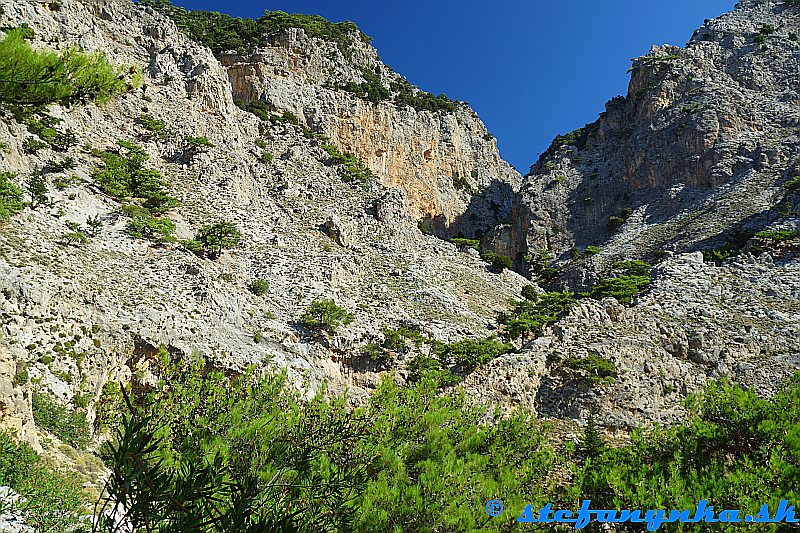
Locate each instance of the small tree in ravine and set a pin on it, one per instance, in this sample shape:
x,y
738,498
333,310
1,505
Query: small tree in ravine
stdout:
x,y
325,315
214,238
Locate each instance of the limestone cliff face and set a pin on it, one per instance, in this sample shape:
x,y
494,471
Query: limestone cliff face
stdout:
x,y
421,152
696,150
76,317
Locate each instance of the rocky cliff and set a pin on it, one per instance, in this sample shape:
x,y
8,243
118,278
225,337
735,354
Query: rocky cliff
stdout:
x,y
78,315
700,150
445,161
694,156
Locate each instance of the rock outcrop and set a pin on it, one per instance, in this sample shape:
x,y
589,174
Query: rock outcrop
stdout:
x,y
695,153
446,162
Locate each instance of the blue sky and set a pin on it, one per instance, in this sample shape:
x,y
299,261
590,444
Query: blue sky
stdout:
x,y
531,69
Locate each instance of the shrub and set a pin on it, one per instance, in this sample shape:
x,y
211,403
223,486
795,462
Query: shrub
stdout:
x,y
54,501
198,142
353,168
468,243
527,318
498,262
634,268
124,176
792,184
599,370
214,238
38,77
266,157
767,29
156,127
206,452
325,315
469,353
423,368
779,235
259,287
622,288
10,197
20,378
143,225
69,426
74,238
530,293
461,184
591,250
222,33
37,190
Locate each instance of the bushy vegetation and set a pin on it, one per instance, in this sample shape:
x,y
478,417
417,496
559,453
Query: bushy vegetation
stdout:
x,y
223,33
400,92
144,225
469,353
212,239
736,450
416,458
526,318
778,235
468,243
497,262
10,197
634,276
259,287
124,176
33,78
325,315
69,426
591,250
598,369
573,138
53,500
353,169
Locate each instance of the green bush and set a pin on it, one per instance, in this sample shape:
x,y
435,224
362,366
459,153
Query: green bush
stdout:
x,y
528,317
75,238
124,176
69,426
38,77
259,287
599,370
325,315
20,378
54,501
622,288
156,127
461,184
425,368
37,190
779,235
206,451
470,353
794,183
469,243
143,225
353,168
591,250
10,197
212,239
198,142
498,262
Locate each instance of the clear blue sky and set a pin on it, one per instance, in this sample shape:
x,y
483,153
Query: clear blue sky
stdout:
x,y
531,68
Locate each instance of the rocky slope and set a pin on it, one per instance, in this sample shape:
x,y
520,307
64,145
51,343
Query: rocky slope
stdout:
x,y
695,154
76,317
699,149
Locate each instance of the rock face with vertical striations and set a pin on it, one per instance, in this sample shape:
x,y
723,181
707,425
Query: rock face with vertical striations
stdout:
x,y
445,161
